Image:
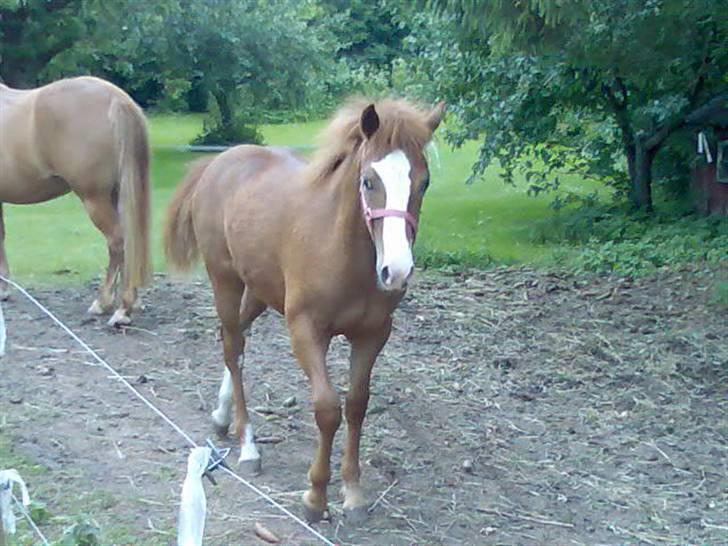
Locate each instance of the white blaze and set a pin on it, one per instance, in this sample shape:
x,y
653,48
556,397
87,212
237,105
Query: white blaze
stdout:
x,y
394,170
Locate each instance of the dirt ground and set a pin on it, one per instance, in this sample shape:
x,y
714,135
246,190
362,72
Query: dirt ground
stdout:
x,y
509,407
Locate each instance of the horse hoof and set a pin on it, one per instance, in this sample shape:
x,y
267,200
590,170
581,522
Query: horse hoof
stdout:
x,y
96,308
218,423
221,430
314,515
119,318
250,467
357,515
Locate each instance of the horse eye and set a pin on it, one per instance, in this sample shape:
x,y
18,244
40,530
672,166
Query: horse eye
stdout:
x,y
367,183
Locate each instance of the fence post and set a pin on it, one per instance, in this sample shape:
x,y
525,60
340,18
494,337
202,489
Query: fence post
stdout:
x,y
3,531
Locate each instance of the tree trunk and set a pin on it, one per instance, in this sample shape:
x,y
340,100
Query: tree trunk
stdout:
x,y
223,104
640,172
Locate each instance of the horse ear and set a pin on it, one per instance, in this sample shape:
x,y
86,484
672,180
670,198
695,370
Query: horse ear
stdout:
x,y
435,116
369,121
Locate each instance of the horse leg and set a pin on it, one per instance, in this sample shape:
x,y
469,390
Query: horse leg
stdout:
x,y
128,304
364,351
4,270
250,309
228,289
310,346
105,217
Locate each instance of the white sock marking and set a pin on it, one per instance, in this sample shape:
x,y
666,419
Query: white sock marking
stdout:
x,y
223,415
248,450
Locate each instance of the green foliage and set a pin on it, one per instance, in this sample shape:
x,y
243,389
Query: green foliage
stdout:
x,y
32,32
582,86
615,242
252,57
720,294
39,512
229,134
82,532
370,33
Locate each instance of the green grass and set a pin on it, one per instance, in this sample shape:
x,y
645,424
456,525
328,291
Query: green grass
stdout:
x,y
62,515
720,294
56,242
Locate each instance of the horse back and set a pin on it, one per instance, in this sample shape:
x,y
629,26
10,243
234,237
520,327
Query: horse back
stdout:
x,y
239,210
59,137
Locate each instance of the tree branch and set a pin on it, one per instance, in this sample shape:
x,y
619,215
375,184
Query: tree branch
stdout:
x,y
714,105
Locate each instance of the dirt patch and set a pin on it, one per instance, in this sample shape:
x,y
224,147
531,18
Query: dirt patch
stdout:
x,y
509,407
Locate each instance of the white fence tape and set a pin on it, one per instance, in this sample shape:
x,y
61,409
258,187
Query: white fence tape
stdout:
x,y
8,478
193,508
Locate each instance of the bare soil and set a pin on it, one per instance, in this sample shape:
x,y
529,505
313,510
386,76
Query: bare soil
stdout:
x,y
509,407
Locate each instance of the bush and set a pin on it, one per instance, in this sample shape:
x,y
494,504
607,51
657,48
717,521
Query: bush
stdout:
x,y
610,241
229,135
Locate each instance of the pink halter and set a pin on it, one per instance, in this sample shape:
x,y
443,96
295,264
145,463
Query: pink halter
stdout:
x,y
371,214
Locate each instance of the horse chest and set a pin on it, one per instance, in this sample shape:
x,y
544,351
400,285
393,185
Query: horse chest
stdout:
x,y
362,312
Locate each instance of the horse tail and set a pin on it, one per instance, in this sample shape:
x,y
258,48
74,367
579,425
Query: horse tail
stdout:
x,y
180,242
130,133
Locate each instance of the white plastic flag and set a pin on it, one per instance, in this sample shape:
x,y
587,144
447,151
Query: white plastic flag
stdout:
x,y
704,147
193,508
7,479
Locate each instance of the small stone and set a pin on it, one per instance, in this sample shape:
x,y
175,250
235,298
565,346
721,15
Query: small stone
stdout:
x,y
46,371
468,466
16,399
289,402
142,379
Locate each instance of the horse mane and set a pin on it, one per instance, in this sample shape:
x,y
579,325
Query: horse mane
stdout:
x,y
402,125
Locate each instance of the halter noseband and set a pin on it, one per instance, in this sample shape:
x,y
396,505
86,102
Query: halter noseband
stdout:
x,y
371,214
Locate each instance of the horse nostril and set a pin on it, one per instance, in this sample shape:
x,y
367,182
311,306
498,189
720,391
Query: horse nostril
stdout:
x,y
385,274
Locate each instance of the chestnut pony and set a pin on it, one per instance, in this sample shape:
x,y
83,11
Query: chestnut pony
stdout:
x,y
86,136
327,243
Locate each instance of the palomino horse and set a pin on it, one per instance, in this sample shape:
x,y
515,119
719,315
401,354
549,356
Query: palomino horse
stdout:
x,y
87,136
328,244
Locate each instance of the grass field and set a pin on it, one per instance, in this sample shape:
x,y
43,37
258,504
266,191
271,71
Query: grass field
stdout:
x,y
56,241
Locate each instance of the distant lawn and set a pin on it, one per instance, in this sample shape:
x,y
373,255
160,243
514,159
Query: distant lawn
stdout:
x,y
56,241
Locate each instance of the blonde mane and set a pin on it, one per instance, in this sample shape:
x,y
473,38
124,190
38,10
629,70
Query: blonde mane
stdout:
x,y
402,125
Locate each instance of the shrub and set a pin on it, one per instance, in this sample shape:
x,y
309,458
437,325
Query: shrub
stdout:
x,y
615,243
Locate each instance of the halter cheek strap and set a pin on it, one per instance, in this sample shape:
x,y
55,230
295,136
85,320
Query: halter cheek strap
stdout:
x,y
371,214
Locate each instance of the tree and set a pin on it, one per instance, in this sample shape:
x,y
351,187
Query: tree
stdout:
x,y
32,32
251,55
42,40
573,82
370,32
